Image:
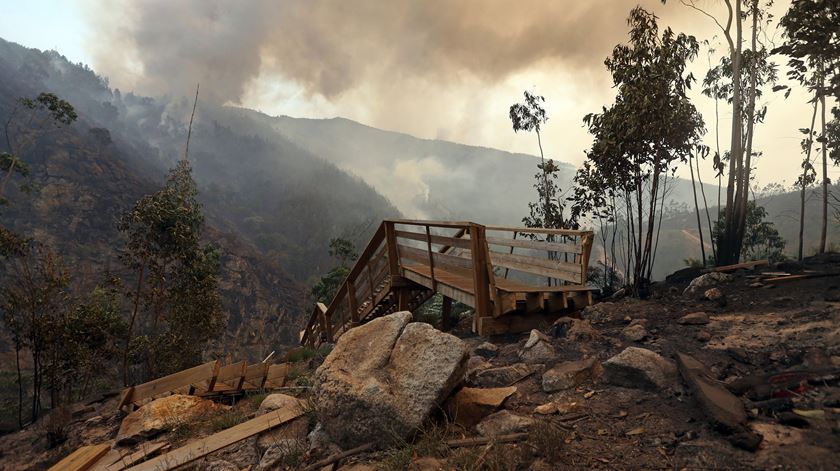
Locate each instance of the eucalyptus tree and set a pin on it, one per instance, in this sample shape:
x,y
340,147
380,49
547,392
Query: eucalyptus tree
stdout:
x,y
530,116
812,42
646,133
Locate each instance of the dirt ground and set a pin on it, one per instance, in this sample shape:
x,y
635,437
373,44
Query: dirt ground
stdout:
x,y
762,328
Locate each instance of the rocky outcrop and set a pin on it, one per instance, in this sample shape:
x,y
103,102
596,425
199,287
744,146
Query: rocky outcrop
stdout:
x,y
640,368
162,415
384,378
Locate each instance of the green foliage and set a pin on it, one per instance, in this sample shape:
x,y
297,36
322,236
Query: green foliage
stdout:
x,y
175,304
344,252
810,29
650,129
761,239
528,116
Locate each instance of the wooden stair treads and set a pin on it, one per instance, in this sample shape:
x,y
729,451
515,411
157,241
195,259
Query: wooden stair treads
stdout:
x,y
276,376
255,376
202,376
82,459
217,441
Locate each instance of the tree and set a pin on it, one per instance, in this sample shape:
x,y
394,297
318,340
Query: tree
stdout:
x,y
33,300
29,119
745,79
529,116
762,240
345,254
811,32
644,135
175,302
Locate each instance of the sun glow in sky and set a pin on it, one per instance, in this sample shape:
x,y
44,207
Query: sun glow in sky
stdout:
x,y
428,77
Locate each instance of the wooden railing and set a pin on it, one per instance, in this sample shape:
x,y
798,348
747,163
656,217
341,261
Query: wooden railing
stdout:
x,y
456,259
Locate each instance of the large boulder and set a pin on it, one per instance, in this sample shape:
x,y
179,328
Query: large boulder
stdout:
x,y
162,415
640,368
384,378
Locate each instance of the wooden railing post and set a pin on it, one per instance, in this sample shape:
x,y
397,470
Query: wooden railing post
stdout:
x,y
353,302
481,284
431,258
393,256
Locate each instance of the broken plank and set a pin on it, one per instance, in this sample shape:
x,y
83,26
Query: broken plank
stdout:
x,y
217,441
146,450
722,407
82,459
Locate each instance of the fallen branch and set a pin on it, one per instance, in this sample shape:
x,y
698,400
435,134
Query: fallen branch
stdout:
x,y
338,457
464,442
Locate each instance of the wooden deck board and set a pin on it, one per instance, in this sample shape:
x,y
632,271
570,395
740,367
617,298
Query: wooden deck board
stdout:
x,y
82,459
217,441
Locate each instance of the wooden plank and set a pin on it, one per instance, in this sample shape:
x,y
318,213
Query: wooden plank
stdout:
x,y
481,282
276,376
737,266
443,287
422,256
195,376
82,459
435,239
146,450
255,376
539,230
217,441
549,268
415,222
231,376
536,245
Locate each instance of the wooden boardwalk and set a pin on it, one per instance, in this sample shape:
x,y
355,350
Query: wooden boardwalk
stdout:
x,y
515,278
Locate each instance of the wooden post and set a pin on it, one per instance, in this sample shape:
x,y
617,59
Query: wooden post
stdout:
x,y
354,303
431,258
446,314
403,298
480,280
586,249
393,255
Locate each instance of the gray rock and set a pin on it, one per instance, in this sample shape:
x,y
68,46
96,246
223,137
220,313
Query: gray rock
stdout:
x,y
241,454
703,282
286,451
486,350
384,378
504,375
570,374
537,349
502,423
640,368
600,313
703,336
634,332
475,365
716,295
694,318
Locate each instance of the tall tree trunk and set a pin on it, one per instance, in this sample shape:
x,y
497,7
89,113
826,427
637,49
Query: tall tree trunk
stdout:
x,y
824,228
697,213
804,176
706,206
20,384
729,248
131,322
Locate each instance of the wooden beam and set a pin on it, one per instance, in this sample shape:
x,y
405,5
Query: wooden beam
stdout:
x,y
536,245
539,266
481,285
538,230
191,377
82,459
217,441
446,313
146,450
435,239
737,266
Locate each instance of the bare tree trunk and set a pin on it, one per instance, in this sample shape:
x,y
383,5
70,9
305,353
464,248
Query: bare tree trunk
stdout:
x,y
824,228
804,176
730,241
708,217
697,212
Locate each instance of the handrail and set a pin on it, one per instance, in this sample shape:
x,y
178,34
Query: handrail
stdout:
x,y
377,282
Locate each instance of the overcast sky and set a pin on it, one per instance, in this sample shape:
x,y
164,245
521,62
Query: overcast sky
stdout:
x,y
435,69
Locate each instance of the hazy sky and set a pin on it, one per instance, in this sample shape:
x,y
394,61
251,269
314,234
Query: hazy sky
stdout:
x,y
436,69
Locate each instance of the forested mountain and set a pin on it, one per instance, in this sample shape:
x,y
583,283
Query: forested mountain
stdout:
x,y
271,207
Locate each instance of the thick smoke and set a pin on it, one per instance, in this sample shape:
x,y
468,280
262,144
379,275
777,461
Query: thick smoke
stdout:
x,y
331,47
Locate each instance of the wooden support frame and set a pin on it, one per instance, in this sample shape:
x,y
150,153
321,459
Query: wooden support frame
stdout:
x,y
204,374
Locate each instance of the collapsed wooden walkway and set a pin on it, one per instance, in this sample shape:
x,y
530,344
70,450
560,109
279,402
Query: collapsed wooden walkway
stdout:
x,y
515,278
